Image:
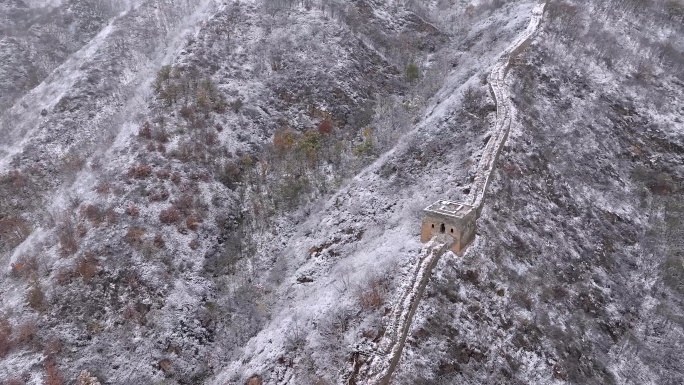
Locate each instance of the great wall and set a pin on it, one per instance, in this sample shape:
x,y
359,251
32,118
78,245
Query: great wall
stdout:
x,y
382,359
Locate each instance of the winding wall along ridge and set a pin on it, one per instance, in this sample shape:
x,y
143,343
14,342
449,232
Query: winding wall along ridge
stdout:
x,y
388,352
502,122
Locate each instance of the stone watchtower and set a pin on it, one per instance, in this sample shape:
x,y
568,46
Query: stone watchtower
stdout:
x,y
446,219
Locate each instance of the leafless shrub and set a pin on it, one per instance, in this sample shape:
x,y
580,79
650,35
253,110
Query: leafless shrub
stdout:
x,y
111,215
169,216
26,333
72,163
134,236
373,295
94,214
176,178
211,139
522,299
192,222
644,72
52,347
85,378
15,179
133,210
5,337
336,324
87,267
161,136
254,380
474,102
103,188
158,241
186,112
164,173
194,244
140,171
184,204
145,131
14,230
131,313
24,267
68,238
52,374
674,9
158,194
35,297
295,339
64,276
165,365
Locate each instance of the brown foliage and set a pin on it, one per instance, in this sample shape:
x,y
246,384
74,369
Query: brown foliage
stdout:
x,y
87,267
184,204
14,230
111,215
186,112
103,188
72,163
165,365
254,380
159,241
158,194
192,222
134,236
133,210
26,333
170,215
15,179
284,140
94,214
5,337
35,297
52,347
164,173
68,238
64,276
161,136
373,296
52,374
145,131
24,267
325,127
176,178
140,171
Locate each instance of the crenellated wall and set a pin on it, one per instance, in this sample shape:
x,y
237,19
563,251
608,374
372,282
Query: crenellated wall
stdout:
x,y
502,121
383,359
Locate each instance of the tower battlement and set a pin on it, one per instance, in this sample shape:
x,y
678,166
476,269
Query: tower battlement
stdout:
x,y
447,219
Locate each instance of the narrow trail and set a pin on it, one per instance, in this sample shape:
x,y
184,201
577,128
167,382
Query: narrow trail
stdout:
x,y
383,359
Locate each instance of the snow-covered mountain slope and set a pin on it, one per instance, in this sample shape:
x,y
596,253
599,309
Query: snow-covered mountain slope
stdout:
x,y
575,276
198,191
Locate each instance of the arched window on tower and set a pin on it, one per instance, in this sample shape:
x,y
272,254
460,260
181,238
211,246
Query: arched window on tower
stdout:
x,y
442,228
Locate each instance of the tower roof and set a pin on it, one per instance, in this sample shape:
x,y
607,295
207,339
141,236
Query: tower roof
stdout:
x,y
449,209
